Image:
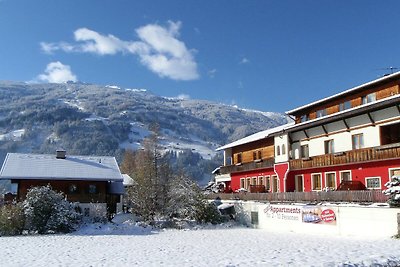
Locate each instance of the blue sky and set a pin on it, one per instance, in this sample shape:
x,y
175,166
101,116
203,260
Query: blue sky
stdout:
x,y
264,55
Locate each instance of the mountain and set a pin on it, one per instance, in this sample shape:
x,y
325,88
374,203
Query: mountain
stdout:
x,y
90,119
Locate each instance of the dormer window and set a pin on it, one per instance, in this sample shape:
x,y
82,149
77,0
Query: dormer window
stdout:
x,y
304,118
344,105
369,98
321,113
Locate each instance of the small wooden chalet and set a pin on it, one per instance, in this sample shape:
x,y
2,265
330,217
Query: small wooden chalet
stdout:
x,y
95,182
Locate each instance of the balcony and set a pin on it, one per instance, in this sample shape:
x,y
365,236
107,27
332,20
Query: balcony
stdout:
x,y
363,196
385,152
248,166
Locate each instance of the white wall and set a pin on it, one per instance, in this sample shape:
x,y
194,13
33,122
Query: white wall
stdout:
x,y
283,142
350,220
342,138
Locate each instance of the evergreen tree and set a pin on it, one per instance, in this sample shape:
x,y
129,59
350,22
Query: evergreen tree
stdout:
x,y
47,211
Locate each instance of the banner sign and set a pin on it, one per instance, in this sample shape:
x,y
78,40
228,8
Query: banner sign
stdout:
x,y
305,214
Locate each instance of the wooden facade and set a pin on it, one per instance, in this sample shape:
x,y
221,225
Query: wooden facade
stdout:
x,y
254,151
74,191
355,99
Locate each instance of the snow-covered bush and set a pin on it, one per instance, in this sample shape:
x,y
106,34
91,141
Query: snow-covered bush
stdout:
x,y
183,197
46,211
12,219
208,213
393,191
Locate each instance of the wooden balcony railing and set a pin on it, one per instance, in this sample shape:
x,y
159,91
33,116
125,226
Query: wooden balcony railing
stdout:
x,y
364,196
391,151
264,163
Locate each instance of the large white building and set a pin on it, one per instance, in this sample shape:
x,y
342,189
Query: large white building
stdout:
x,y
352,136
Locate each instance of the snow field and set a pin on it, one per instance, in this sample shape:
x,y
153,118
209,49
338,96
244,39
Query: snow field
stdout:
x,y
131,245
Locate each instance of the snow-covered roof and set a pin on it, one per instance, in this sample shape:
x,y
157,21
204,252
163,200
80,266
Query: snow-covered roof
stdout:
x,y
128,181
48,167
388,77
256,136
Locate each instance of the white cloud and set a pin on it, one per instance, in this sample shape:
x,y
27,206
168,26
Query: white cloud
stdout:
x,y
244,60
56,72
183,97
158,49
211,73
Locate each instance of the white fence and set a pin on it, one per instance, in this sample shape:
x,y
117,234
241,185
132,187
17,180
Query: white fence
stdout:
x,y
366,221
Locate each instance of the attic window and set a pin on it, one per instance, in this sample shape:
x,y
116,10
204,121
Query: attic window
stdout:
x,y
369,98
345,105
321,113
304,118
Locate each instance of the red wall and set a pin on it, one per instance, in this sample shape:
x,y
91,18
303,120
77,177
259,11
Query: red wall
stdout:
x,y
235,177
358,173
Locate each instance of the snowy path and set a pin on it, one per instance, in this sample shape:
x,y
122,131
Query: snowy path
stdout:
x,y
217,247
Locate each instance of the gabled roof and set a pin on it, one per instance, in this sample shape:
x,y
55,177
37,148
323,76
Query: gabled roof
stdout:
x,y
257,136
48,167
387,78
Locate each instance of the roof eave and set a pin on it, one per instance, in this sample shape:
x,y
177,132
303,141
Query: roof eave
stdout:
x,y
393,76
385,103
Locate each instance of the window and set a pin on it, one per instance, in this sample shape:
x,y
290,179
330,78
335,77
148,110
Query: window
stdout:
x,y
304,151
394,172
254,180
278,150
257,155
299,186
329,146
239,158
369,98
73,189
93,189
373,182
345,176
321,113
304,118
330,180
357,141
283,149
390,134
275,183
242,184
261,180
316,180
344,105
248,183
267,183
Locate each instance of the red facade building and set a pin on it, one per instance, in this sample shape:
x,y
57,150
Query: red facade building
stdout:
x,y
349,139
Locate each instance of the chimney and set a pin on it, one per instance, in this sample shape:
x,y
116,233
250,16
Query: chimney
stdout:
x,y
61,154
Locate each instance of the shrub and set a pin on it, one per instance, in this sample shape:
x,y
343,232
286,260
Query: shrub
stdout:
x,y
47,211
12,219
393,191
208,213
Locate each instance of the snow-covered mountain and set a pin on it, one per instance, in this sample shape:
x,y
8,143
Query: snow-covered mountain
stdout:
x,y
105,120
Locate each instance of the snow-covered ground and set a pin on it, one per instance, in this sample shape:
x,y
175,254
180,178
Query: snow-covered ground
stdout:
x,y
14,135
126,244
